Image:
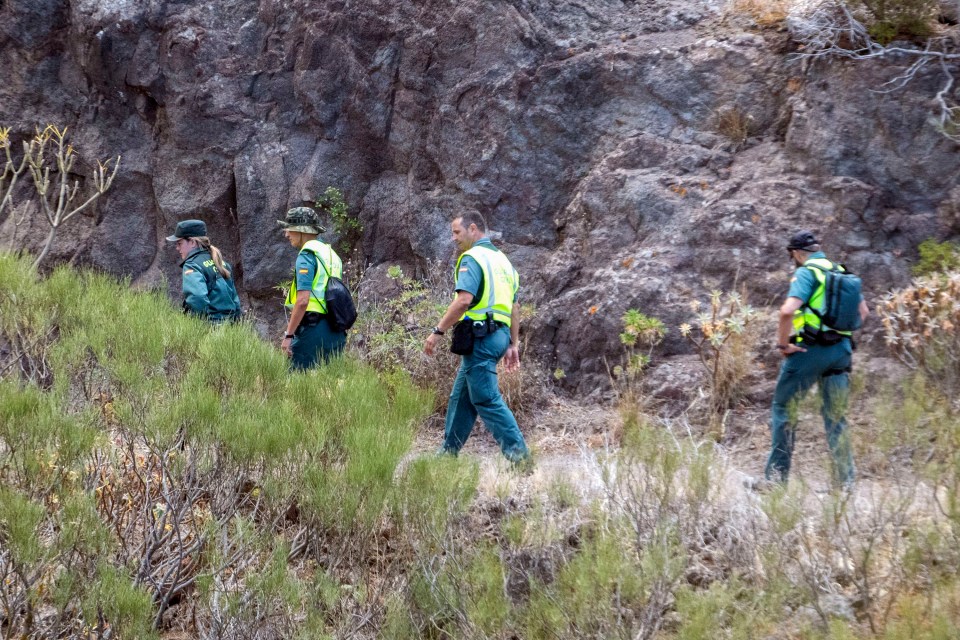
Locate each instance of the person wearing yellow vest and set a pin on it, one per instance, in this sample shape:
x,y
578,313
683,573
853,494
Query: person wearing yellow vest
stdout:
x,y
486,287
308,338
813,353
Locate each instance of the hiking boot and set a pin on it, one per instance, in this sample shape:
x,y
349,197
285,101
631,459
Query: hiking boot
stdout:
x,y
760,485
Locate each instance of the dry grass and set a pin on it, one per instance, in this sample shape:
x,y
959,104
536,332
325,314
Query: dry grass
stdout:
x,y
766,13
735,124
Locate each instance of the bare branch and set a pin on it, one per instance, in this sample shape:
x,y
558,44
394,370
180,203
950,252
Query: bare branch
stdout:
x,y
829,29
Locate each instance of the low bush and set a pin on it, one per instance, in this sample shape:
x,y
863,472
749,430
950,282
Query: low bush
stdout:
x,y
766,13
937,257
724,337
921,326
887,20
155,453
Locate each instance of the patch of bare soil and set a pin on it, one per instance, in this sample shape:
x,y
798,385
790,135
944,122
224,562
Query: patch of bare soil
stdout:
x,y
570,440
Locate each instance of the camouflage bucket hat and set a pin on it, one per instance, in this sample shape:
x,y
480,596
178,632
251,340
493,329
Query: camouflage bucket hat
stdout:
x,y
303,219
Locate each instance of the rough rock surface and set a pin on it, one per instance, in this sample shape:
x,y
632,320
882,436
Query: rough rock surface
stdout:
x,y
599,137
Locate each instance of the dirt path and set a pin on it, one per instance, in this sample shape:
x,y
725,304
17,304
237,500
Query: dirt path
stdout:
x,y
571,441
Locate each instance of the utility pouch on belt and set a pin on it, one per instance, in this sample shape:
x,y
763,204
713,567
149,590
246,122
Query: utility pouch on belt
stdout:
x,y
481,328
823,338
461,342
311,319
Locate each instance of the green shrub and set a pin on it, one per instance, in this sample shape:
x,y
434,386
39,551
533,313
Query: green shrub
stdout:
x,y
888,20
114,597
176,449
937,257
391,330
347,227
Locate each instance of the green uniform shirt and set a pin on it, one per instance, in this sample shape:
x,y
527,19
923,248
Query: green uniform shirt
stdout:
x,y
206,293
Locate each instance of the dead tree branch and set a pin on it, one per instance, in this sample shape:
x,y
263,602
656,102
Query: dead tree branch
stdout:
x,y
829,29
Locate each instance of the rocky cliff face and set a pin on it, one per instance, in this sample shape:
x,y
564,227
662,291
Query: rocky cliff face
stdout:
x,y
602,139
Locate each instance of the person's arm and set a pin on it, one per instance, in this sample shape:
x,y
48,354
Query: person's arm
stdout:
x,y
450,317
864,310
785,326
511,360
296,315
196,297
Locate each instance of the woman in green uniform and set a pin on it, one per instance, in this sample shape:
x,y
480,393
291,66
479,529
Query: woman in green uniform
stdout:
x,y
208,286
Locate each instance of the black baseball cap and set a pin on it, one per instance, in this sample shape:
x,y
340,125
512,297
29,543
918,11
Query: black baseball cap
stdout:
x,y
188,229
802,240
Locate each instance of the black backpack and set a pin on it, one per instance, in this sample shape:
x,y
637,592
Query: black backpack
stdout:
x,y
341,311
841,298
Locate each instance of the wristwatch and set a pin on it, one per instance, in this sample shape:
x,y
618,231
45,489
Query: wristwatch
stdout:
x,y
438,331
782,347
288,336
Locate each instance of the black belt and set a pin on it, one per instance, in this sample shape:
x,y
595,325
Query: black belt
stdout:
x,y
312,318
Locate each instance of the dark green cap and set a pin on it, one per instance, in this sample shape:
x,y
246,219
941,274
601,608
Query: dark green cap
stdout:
x,y
188,229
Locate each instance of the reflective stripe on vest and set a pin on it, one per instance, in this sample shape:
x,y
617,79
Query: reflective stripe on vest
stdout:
x,y
804,316
500,284
325,255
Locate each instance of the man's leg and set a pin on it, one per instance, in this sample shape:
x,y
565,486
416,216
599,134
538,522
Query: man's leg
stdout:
x,y
485,395
305,347
835,391
330,343
461,414
794,381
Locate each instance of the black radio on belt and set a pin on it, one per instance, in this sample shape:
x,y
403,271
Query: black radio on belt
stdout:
x,y
312,318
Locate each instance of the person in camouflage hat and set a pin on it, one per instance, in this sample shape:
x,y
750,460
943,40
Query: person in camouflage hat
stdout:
x,y
309,339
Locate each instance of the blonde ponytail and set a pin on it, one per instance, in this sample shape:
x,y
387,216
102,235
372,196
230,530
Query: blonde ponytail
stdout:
x,y
204,243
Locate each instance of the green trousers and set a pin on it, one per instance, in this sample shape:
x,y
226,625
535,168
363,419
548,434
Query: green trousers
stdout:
x,y
829,367
312,344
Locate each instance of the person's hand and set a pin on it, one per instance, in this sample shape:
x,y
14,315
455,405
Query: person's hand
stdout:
x,y
285,347
511,360
430,345
789,349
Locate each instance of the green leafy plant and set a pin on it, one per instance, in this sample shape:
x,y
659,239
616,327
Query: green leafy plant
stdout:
x,y
391,329
641,334
937,257
144,462
346,226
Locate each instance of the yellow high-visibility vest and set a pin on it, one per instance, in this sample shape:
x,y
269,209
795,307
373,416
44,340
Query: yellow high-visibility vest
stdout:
x,y
500,284
325,255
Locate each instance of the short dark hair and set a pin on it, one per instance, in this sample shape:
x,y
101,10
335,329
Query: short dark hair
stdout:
x,y
472,217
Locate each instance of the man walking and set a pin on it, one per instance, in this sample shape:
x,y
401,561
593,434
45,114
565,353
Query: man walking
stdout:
x,y
486,291
309,337
813,353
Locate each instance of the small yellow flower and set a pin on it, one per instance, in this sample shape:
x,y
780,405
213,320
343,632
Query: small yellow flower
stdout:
x,y
592,310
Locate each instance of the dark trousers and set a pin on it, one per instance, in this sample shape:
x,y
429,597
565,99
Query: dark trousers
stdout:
x,y
827,366
311,344
476,391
